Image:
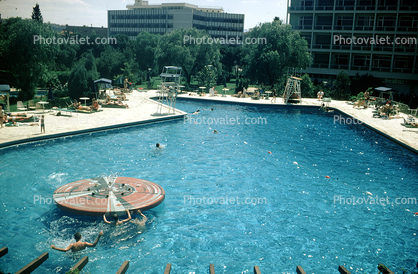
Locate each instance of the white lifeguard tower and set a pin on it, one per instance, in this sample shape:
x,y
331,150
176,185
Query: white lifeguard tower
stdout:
x,y
292,92
167,92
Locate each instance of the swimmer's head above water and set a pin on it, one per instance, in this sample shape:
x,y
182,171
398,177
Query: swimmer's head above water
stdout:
x,y
77,236
115,217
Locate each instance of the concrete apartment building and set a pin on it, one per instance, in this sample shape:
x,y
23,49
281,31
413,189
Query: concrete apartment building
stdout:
x,y
339,35
166,17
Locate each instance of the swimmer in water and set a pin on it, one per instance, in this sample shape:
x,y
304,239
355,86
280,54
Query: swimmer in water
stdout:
x,y
196,112
215,131
158,145
78,245
116,219
138,222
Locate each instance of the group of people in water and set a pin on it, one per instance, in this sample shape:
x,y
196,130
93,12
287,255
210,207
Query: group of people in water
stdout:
x,y
79,245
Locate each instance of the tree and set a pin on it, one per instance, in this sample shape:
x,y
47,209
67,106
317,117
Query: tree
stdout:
x,y
36,14
144,47
78,82
341,85
110,63
231,56
269,62
25,55
307,87
192,56
81,80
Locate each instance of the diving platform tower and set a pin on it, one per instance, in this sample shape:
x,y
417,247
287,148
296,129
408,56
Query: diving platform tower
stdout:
x,y
292,92
167,92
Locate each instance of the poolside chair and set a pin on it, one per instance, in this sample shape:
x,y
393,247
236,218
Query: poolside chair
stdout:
x,y
38,107
31,105
20,106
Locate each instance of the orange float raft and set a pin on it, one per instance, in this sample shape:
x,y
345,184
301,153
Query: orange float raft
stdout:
x,y
101,195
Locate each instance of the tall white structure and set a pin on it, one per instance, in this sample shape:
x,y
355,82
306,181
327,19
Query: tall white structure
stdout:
x,y
170,85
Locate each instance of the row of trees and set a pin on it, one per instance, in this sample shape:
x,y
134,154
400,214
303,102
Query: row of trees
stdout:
x,y
27,63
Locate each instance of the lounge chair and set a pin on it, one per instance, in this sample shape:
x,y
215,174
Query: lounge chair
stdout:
x,y
31,105
20,106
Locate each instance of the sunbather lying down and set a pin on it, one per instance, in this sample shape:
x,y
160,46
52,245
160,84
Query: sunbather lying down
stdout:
x,y
18,124
118,103
405,122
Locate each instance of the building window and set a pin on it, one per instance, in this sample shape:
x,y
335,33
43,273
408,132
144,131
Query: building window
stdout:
x,y
305,22
386,23
381,61
321,59
361,62
344,22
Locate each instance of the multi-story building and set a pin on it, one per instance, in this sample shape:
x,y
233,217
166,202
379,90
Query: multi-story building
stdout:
x,y
166,17
378,37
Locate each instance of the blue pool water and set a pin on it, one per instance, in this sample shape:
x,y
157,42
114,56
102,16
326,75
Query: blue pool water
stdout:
x,y
228,200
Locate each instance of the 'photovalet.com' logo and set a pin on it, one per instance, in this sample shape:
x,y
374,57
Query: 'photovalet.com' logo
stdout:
x,y
232,121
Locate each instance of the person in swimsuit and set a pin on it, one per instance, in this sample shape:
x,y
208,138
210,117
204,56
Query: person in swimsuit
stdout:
x,y
138,222
43,123
78,245
116,219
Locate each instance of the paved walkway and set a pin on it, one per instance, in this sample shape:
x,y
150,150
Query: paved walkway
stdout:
x,y
142,109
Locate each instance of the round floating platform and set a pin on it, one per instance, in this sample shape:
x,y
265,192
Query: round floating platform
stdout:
x,y
98,196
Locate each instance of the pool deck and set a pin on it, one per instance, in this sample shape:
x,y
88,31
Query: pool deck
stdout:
x,y
141,110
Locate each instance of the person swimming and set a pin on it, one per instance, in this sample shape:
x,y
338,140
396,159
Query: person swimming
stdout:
x,y
78,245
116,219
140,223
196,112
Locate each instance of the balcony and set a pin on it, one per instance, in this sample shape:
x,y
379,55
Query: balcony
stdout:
x,y
323,27
359,67
387,28
365,7
408,29
383,48
309,27
362,48
319,65
363,28
412,7
343,27
402,70
344,8
381,69
341,47
390,7
399,48
300,8
321,46
335,66
324,8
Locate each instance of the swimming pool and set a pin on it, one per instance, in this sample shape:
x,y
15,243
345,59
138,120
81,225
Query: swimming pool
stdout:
x,y
253,194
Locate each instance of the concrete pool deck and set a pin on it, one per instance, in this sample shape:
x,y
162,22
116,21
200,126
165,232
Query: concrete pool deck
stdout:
x,y
141,110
